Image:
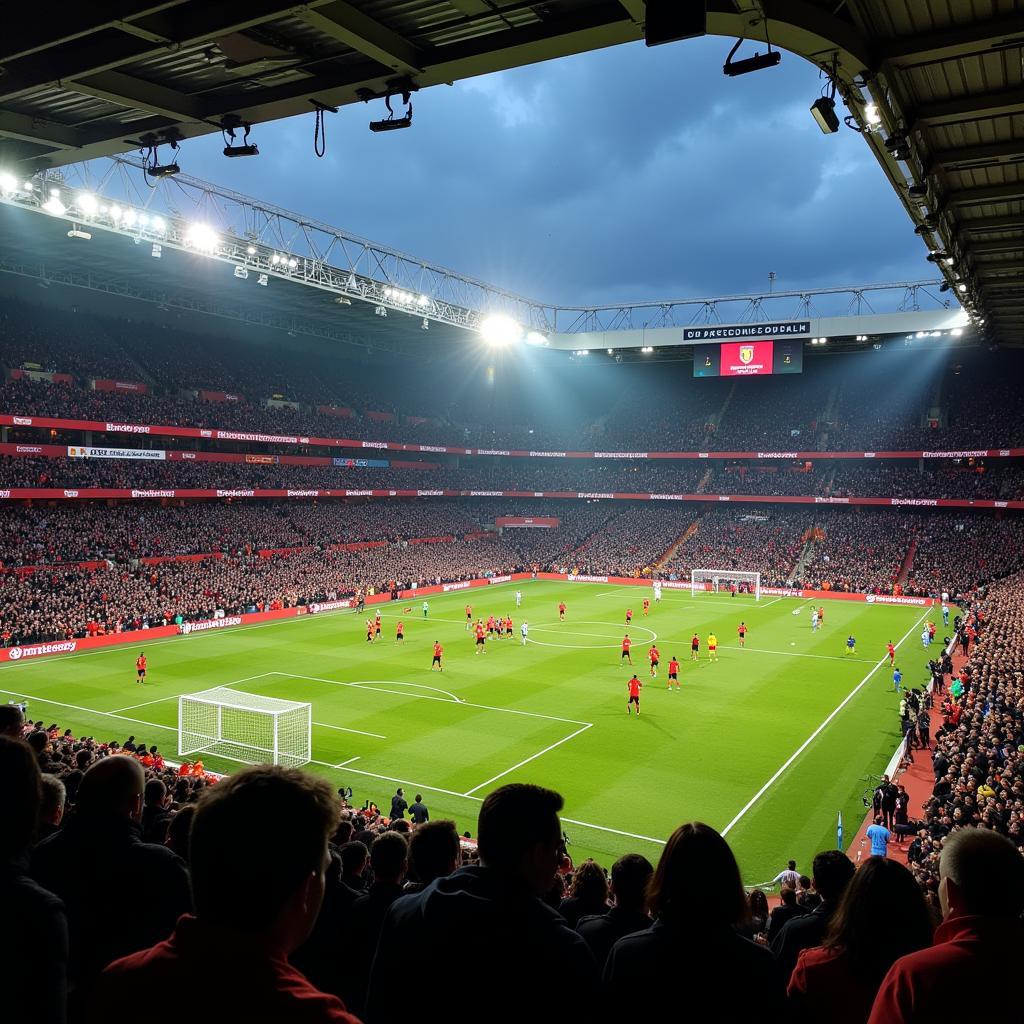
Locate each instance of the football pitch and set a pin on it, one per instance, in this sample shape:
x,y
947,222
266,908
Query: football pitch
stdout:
x,y
768,744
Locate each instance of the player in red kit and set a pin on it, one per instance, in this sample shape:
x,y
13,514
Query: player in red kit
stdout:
x,y
469,616
695,648
490,625
821,616
508,625
673,673
654,656
741,632
891,651
438,655
626,644
400,632
140,667
634,686
647,607
481,636
561,610
369,631
376,627
629,616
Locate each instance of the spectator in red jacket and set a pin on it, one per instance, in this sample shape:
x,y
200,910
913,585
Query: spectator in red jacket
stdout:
x,y
258,854
881,917
981,891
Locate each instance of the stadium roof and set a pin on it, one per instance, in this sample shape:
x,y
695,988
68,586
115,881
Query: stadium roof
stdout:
x,y
939,80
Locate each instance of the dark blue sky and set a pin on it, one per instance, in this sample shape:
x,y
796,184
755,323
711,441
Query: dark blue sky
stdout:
x,y
622,175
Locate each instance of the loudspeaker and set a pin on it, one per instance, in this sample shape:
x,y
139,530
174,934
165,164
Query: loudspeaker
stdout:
x,y
671,20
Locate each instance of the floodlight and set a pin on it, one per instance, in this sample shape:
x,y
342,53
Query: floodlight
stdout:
x,y
957,331
823,110
872,116
293,263
499,329
648,349
129,217
202,237
55,206
115,213
28,186
8,182
536,338
423,300
275,259
961,287
251,250
158,225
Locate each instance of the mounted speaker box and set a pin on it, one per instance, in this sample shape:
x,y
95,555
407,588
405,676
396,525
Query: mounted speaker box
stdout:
x,y
671,20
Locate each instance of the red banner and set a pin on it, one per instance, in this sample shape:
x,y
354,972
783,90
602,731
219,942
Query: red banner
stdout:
x,y
342,411
219,396
431,540
163,559
540,522
134,387
746,358
42,376
28,570
381,417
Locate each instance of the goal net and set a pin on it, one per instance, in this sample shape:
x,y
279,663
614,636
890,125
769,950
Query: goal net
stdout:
x,y
722,581
244,727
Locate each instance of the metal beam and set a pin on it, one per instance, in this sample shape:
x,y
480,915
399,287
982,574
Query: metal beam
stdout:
x,y
982,225
968,108
136,94
984,194
43,133
992,248
960,40
985,154
343,22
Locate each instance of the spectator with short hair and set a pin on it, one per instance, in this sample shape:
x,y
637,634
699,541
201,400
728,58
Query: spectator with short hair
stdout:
x,y
434,852
258,856
881,917
53,799
419,811
630,877
981,892
482,935
155,816
696,899
787,910
832,871
588,894
121,894
12,721
34,936
354,858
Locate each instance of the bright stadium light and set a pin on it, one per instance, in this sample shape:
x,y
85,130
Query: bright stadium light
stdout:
x,y
28,186
293,263
129,217
55,206
251,250
423,300
158,225
536,338
8,182
202,237
499,329
957,331
115,213
961,287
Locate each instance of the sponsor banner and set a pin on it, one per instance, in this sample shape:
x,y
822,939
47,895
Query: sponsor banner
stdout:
x,y
328,606
205,624
538,522
84,643
134,387
932,502
303,494
547,455
262,460
126,428
341,411
241,435
498,579
152,493
778,328
620,455
235,493
88,452
364,463
42,376
219,396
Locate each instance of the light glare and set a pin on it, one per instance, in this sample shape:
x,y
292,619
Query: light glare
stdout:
x,y
499,329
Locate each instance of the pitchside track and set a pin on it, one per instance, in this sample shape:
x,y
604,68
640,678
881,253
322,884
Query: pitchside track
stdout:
x,y
769,744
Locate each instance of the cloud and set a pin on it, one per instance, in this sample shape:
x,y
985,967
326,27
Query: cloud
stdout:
x,y
623,175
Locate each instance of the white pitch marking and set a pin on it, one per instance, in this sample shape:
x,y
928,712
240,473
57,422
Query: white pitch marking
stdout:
x,y
782,654
88,711
343,763
532,757
810,739
358,732
174,696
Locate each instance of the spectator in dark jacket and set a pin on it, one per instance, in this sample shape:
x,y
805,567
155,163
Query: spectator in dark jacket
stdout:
x,y
258,853
881,917
630,877
34,936
434,852
51,806
121,894
482,935
418,811
155,816
832,872
696,898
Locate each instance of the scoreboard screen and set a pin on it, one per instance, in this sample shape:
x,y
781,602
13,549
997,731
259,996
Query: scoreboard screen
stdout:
x,y
748,358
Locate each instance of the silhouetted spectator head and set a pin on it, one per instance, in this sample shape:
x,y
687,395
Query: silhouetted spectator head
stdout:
x,y
832,871
434,850
12,721
258,851
697,881
788,896
155,793
53,798
178,830
519,834
631,875
881,892
389,857
72,781
342,834
113,788
354,856
20,794
589,882
980,872
38,741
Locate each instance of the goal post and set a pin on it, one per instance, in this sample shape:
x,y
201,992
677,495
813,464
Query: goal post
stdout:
x,y
718,581
245,727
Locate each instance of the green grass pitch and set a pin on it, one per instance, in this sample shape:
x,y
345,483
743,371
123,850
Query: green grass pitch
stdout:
x,y
733,747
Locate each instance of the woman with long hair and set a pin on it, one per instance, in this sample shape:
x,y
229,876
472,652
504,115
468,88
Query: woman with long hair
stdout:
x,y
881,917
588,894
692,962
757,915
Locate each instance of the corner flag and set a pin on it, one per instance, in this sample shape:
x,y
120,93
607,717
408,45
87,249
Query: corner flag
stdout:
x,y
839,832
